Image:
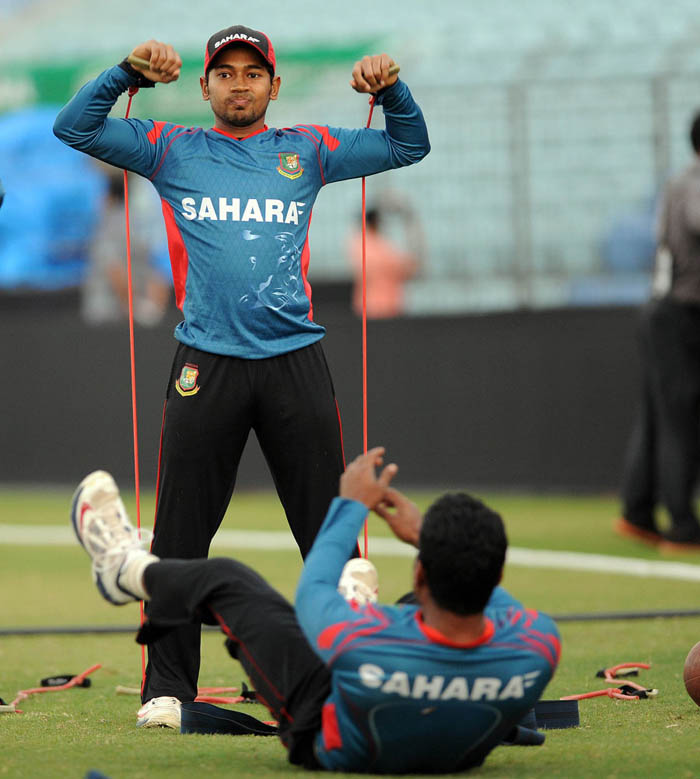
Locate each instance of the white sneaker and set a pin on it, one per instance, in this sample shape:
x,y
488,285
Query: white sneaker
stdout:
x,y
359,582
103,528
163,712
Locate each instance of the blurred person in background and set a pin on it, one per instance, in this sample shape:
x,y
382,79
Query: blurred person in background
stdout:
x,y
388,265
105,295
664,451
46,230
2,193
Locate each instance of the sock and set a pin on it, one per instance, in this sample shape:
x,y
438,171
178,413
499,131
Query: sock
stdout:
x,y
131,575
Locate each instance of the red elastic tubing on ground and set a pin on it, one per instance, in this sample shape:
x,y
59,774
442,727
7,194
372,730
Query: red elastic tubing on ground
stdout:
x,y
76,680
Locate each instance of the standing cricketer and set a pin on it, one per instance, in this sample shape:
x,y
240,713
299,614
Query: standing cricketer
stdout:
x,y
237,203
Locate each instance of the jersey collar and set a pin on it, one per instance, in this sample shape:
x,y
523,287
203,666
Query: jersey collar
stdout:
x,y
263,129
437,637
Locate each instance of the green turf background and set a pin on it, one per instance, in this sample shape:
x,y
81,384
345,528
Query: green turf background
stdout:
x,y
66,733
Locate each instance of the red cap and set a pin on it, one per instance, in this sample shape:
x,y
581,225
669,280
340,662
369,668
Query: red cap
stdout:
x,y
239,34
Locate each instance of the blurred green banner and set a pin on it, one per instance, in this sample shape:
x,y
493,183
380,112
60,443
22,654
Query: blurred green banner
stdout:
x,y
302,72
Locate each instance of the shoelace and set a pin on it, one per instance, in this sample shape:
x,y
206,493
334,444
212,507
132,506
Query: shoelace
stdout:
x,y
116,553
112,538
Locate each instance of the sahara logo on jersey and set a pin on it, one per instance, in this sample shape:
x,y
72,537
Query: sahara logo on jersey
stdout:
x,y
186,384
441,688
235,210
289,165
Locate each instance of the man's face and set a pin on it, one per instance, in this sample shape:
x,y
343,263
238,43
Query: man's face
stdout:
x,y
239,88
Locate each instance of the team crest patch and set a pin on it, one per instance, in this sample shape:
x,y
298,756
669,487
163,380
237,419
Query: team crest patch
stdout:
x,y
187,383
289,165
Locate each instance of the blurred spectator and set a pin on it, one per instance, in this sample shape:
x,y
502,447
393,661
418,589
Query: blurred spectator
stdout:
x,y
105,288
388,265
630,243
51,207
2,193
664,451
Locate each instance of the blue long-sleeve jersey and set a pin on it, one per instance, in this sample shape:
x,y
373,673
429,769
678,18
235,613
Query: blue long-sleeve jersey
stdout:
x,y
404,698
237,212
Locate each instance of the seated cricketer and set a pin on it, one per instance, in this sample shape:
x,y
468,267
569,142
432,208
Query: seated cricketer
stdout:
x,y
354,685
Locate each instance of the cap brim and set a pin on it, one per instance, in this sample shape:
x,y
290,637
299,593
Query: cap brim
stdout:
x,y
238,42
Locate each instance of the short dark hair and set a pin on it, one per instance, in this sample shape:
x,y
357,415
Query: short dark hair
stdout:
x,y
695,133
462,548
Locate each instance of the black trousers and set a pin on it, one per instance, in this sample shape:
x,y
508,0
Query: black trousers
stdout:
x,y
262,633
661,464
212,404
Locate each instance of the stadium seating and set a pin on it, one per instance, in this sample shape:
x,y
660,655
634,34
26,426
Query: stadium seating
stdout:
x,y
548,125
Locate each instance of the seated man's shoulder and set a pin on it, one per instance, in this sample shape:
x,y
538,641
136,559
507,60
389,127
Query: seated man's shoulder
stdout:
x,y
531,632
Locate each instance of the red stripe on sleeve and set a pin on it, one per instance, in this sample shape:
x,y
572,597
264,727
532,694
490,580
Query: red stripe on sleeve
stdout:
x,y
192,131
557,645
547,637
328,635
330,140
541,648
317,145
155,132
329,727
179,260
370,614
305,257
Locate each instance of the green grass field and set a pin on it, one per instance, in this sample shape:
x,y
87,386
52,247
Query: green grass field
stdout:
x,y
64,734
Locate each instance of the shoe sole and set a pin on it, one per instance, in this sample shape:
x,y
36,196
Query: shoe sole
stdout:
x,y
75,520
626,529
74,512
156,723
162,716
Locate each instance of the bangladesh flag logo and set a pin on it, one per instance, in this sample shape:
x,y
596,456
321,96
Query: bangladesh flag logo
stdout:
x,y
289,165
186,384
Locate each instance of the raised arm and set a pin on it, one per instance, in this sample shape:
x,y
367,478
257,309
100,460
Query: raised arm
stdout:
x,y
84,123
318,603
406,131
349,154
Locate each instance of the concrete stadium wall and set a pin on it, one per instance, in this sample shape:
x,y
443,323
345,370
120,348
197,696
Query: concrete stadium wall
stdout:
x,y
536,400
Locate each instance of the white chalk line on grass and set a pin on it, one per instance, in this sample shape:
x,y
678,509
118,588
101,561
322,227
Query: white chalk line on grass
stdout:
x,y
53,535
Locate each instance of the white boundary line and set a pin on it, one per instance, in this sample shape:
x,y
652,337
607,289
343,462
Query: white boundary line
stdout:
x,y
54,535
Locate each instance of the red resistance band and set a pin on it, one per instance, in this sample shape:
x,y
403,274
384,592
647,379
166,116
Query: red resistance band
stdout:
x,y
74,682
132,355
629,691
364,319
